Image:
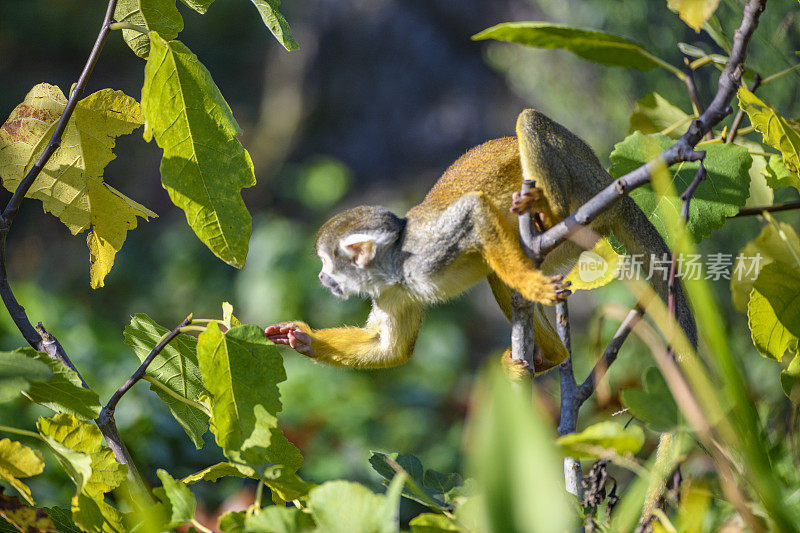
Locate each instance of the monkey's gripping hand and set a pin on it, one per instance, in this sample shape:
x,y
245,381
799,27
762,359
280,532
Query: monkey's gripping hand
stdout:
x,y
291,335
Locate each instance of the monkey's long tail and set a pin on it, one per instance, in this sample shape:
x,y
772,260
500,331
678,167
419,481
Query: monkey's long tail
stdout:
x,y
641,238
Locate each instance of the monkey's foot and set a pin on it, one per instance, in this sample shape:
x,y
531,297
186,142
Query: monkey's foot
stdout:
x,y
554,290
292,336
531,201
519,369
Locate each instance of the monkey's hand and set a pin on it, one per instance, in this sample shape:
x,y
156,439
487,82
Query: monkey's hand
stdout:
x,y
529,202
291,335
554,290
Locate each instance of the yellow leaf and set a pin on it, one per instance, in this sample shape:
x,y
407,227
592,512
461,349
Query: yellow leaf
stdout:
x,y
71,184
595,268
695,13
778,132
18,461
23,517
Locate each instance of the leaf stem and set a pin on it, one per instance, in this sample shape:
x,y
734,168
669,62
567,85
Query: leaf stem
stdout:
x,y
663,64
201,527
18,431
784,72
192,403
187,329
128,26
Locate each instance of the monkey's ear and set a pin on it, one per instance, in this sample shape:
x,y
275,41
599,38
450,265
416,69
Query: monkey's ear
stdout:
x,y
361,247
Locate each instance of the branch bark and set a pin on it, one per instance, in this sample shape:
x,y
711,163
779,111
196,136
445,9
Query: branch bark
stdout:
x,y
523,346
682,150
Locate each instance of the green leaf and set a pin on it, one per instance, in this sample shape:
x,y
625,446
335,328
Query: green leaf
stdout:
x,y
95,515
432,523
18,461
178,497
654,114
275,519
285,483
62,518
761,193
232,522
227,316
155,15
274,21
63,392
602,436
84,439
430,488
779,176
778,132
512,456
175,369
344,507
773,312
201,6
219,470
204,166
654,404
717,198
776,242
241,370
71,184
790,379
592,45
17,371
695,13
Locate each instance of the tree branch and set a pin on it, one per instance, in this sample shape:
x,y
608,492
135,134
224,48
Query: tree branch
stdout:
x,y
757,210
523,346
682,150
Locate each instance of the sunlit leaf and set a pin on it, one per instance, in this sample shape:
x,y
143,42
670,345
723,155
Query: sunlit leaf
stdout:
x,y
275,519
274,21
17,371
94,515
695,13
776,242
219,470
179,498
790,379
603,435
63,392
84,438
432,523
718,197
154,15
779,176
772,312
204,167
778,132
344,507
592,45
18,461
241,370
201,6
595,268
71,184
176,369
654,114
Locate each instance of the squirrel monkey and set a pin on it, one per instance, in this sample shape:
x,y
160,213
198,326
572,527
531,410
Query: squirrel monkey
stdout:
x,y
463,232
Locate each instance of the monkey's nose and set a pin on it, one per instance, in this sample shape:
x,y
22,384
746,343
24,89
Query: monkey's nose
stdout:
x,y
321,276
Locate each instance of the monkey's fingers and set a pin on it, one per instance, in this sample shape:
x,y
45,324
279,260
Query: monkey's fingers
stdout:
x,y
529,202
301,342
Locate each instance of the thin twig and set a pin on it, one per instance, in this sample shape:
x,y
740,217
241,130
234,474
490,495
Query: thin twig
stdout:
x,y
737,120
570,402
691,87
586,388
774,208
108,410
682,150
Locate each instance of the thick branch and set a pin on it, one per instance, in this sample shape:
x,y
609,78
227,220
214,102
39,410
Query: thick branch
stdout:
x,y
682,150
522,336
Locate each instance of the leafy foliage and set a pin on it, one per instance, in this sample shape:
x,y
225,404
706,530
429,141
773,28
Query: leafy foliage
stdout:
x,y
718,197
596,46
653,404
204,166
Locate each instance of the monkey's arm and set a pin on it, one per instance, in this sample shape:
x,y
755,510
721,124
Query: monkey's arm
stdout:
x,y
387,339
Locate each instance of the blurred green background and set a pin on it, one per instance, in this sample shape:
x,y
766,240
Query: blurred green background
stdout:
x,y
381,97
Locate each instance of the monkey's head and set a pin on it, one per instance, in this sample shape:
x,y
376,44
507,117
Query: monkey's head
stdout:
x,y
358,249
